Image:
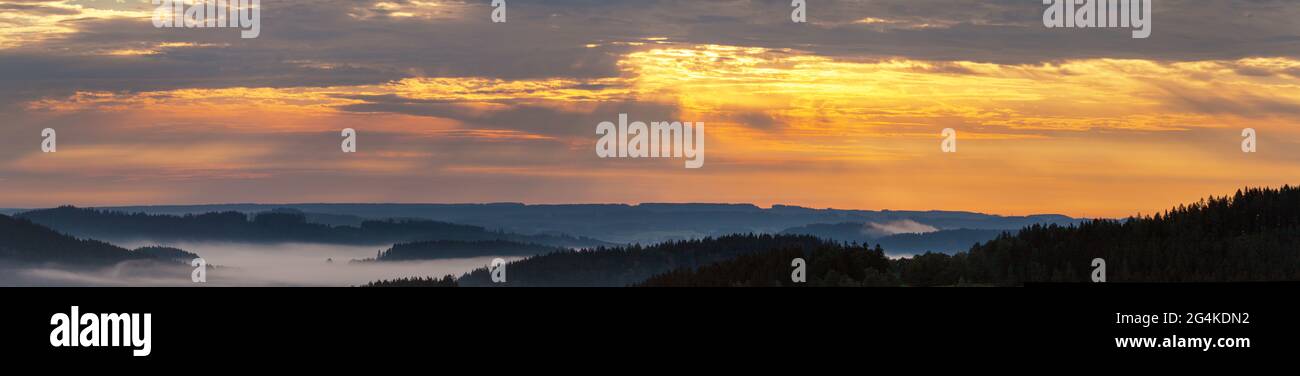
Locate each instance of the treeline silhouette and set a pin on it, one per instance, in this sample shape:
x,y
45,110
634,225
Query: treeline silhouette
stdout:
x,y
1253,235
168,254
444,249
943,241
628,265
24,241
826,265
274,226
447,281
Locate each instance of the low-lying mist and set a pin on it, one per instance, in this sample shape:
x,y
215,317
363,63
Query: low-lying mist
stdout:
x,y
244,264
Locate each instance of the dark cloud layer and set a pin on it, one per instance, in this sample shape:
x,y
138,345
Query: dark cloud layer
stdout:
x,y
548,39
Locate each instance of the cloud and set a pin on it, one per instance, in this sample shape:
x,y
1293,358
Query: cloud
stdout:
x,y
841,111
370,42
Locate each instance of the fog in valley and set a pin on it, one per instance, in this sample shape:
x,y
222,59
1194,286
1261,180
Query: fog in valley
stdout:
x,y
242,264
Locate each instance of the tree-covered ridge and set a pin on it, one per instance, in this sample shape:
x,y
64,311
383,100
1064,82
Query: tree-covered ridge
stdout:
x,y
24,241
624,266
1253,235
445,249
275,226
447,281
168,254
942,241
647,223
827,265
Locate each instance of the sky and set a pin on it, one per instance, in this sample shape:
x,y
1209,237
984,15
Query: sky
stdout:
x,y
844,111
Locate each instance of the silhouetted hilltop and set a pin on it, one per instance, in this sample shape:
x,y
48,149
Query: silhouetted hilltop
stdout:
x,y
276,226
1253,235
168,254
447,281
27,242
942,241
834,265
623,266
445,249
326,219
627,224
903,237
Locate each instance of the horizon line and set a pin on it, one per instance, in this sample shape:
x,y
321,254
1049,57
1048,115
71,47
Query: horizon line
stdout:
x,y
760,207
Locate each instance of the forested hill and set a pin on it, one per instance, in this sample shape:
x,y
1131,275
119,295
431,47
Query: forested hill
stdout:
x,y
623,266
24,241
646,223
830,265
1253,235
277,226
446,281
943,241
448,249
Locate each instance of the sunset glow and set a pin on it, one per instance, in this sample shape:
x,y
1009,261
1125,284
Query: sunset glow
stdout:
x,y
1085,136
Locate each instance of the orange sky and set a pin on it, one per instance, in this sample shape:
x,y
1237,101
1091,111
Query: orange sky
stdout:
x,y
1089,137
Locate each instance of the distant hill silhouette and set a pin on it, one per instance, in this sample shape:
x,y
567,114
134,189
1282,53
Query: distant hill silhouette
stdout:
x,y
445,249
625,224
1253,235
623,266
168,254
843,231
326,219
27,242
833,265
941,241
277,226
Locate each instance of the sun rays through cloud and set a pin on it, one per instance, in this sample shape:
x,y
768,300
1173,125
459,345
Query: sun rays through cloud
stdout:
x,y
451,108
